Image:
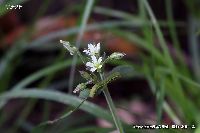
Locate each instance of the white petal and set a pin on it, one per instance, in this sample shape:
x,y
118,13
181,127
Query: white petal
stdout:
x,y
89,64
99,60
94,59
98,47
86,51
92,49
92,69
90,46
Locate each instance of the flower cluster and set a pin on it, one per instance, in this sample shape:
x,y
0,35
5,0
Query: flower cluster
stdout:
x,y
94,63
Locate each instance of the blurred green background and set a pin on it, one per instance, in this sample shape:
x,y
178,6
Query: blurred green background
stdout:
x,y
162,64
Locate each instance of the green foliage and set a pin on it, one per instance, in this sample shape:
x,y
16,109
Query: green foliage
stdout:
x,y
168,78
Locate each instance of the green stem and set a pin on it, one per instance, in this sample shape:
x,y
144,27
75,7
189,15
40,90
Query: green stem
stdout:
x,y
83,25
112,107
81,56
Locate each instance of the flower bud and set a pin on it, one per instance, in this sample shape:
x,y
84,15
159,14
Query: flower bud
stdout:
x,y
67,45
117,55
79,87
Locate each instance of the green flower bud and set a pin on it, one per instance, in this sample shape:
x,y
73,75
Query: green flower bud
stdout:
x,y
79,87
93,90
116,55
67,45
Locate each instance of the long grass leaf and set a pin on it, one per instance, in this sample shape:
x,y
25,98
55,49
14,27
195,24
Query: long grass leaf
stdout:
x,y
58,97
71,31
128,16
84,21
45,71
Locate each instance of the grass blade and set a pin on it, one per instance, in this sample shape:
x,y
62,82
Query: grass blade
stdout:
x,y
58,97
85,18
45,71
71,31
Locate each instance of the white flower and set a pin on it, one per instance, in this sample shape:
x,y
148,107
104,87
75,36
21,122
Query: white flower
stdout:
x,y
67,45
92,49
95,64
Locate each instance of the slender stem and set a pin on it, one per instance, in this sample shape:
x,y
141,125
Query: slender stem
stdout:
x,y
63,116
112,107
81,57
83,25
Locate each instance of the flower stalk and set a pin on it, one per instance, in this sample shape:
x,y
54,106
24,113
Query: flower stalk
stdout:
x,y
112,107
